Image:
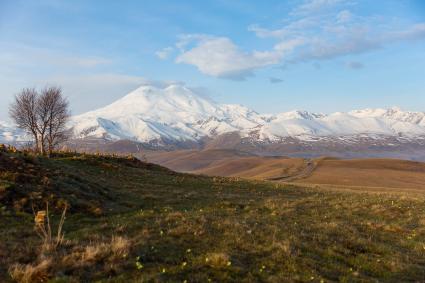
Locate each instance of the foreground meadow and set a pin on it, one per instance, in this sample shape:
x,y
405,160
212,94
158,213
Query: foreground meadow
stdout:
x,y
129,221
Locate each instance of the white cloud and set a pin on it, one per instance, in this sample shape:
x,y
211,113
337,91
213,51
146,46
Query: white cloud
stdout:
x,y
84,79
264,33
293,28
414,32
324,49
343,40
316,30
220,57
85,92
164,53
326,37
21,55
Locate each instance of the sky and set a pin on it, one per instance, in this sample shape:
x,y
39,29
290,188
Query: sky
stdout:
x,y
271,56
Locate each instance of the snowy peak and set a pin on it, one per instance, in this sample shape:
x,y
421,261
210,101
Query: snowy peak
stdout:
x,y
393,113
172,112
156,102
178,113
297,114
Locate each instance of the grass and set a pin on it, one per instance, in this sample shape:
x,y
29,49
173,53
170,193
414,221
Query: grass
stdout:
x,y
134,222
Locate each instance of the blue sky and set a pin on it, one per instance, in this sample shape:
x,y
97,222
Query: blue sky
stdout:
x,y
272,56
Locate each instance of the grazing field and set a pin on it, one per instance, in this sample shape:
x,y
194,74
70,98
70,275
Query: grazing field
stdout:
x,y
130,221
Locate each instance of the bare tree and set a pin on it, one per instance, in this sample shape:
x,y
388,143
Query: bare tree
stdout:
x,y
43,115
23,111
52,109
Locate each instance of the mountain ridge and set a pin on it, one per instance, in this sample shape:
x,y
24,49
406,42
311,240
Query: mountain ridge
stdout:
x,y
174,113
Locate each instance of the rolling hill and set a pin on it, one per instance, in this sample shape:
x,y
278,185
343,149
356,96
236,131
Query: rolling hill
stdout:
x,y
384,173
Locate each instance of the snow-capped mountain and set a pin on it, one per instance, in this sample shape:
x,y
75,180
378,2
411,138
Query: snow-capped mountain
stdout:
x,y
172,113
177,113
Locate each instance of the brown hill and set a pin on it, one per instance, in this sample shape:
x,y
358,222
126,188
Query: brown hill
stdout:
x,y
387,173
255,167
391,173
193,160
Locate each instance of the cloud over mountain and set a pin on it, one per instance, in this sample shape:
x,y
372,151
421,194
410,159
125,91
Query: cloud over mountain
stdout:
x,y
220,57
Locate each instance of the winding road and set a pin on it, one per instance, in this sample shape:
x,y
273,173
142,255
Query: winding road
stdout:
x,y
310,166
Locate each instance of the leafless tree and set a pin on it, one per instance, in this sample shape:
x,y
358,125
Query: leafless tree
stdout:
x,y
52,109
23,111
43,115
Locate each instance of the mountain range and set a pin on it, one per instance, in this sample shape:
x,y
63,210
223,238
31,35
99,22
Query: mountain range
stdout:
x,y
177,116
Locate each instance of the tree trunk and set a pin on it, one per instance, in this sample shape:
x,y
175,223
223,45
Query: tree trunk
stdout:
x,y
37,145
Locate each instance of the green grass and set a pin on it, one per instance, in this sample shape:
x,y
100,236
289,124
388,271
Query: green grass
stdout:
x,y
182,227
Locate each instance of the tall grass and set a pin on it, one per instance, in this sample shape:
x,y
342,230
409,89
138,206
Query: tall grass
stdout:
x,y
43,228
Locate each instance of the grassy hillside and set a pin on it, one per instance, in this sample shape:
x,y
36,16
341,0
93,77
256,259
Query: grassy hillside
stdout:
x,y
135,222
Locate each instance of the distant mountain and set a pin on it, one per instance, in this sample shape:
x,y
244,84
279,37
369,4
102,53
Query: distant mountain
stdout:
x,y
171,114
176,113
176,116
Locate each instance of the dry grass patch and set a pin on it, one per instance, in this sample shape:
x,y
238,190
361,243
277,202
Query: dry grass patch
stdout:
x,y
31,273
105,256
118,248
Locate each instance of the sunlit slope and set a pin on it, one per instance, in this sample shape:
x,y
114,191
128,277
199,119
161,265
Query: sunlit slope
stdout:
x,y
255,167
390,173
